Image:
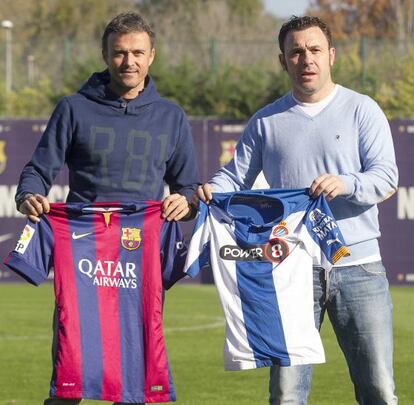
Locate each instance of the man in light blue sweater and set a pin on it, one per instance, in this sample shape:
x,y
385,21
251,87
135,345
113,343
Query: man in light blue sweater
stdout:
x,y
336,142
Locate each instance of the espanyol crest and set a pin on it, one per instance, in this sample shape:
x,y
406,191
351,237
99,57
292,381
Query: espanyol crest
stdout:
x,y
280,230
3,156
131,238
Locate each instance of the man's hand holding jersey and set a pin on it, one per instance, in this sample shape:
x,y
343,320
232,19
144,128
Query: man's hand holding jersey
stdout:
x,y
327,184
176,207
204,193
33,206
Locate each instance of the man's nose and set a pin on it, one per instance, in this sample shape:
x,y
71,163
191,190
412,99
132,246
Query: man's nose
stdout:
x,y
128,59
307,57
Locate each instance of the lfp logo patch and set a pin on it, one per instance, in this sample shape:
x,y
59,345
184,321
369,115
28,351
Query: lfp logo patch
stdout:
x,y
131,238
25,239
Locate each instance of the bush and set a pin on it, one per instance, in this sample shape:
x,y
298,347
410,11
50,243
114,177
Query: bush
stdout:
x,y
29,102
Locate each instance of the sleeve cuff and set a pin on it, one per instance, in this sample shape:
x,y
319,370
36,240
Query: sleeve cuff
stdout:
x,y
21,198
24,269
349,183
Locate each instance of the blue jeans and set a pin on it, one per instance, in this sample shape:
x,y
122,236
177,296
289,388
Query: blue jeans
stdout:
x,y
360,310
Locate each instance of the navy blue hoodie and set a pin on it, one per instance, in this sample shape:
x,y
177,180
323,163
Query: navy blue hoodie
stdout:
x,y
115,150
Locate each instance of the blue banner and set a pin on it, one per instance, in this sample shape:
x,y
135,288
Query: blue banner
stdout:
x,y
214,141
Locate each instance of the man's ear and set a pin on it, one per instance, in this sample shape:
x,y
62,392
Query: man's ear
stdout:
x,y
282,61
104,57
332,54
152,56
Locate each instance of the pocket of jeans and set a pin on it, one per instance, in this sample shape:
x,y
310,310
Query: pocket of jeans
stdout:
x,y
374,268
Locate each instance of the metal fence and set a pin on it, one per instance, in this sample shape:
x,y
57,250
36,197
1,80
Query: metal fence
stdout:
x,y
359,62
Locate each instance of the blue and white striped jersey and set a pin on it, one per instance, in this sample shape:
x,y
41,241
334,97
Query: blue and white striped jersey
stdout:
x,y
262,245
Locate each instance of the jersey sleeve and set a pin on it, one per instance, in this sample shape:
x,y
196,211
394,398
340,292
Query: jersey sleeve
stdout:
x,y
173,254
325,242
199,248
32,256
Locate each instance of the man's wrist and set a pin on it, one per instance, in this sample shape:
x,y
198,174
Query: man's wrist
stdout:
x,y
21,199
192,213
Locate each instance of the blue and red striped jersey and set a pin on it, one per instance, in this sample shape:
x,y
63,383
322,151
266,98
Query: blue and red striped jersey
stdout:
x,y
110,263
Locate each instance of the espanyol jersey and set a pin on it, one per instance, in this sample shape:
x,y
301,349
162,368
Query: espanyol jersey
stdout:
x,y
261,245
110,262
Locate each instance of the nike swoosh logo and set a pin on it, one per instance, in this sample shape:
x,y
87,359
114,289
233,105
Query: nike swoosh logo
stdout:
x,y
6,236
80,235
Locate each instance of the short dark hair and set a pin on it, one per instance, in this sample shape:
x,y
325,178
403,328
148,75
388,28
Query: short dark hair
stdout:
x,y
301,23
125,23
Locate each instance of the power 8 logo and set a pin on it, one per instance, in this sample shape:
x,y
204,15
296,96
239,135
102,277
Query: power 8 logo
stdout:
x,y
276,250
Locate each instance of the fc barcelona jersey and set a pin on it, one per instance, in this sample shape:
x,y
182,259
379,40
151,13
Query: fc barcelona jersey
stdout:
x,y
262,245
110,263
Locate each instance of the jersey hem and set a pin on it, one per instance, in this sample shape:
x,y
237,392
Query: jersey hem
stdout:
x,y
166,397
268,363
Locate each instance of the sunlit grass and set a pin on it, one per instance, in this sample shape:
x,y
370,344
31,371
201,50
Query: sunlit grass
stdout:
x,y
194,331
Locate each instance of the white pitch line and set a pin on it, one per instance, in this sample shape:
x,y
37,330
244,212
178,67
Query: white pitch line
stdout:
x,y
38,337
218,324
6,236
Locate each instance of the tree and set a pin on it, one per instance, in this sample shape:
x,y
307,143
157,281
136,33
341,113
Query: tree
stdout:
x,y
62,39
187,26
393,19
398,99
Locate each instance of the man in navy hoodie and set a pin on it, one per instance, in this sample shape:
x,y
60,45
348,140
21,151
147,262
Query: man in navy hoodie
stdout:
x,y
120,139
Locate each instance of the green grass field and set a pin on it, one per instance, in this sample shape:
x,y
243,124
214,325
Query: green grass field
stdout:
x,y
194,330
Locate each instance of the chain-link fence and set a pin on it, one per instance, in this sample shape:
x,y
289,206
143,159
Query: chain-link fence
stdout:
x,y
359,62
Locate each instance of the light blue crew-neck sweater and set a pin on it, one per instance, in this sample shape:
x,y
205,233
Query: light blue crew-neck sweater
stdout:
x,y
350,137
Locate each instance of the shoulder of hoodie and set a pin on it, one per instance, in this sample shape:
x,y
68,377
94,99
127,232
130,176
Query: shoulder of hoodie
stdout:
x,y
169,105
75,98
70,100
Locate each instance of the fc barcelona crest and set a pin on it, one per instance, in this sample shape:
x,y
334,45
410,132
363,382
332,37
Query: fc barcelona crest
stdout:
x,y
227,151
131,238
3,156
